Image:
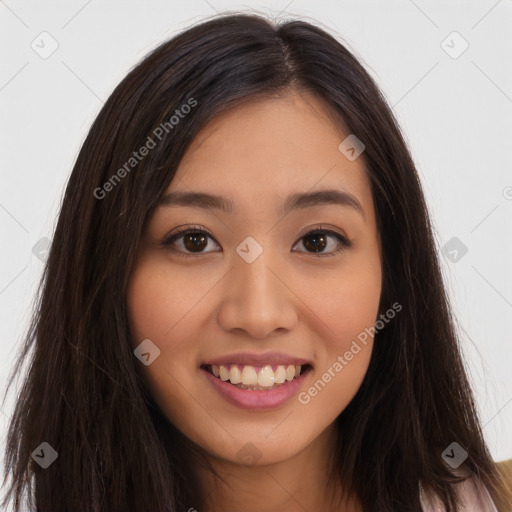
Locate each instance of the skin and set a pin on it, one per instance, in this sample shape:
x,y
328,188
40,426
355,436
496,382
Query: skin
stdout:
x,y
288,300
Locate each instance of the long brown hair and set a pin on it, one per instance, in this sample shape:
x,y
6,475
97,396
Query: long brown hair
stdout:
x,y
83,393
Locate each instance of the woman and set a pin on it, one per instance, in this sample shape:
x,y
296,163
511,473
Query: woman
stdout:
x,y
242,306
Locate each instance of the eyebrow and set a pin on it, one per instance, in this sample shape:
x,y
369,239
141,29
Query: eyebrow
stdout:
x,y
295,201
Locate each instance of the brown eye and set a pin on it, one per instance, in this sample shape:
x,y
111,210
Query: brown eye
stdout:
x,y
318,240
193,241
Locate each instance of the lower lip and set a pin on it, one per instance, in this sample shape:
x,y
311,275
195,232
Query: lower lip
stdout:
x,y
256,399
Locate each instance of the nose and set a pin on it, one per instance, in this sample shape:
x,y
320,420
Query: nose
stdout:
x,y
258,299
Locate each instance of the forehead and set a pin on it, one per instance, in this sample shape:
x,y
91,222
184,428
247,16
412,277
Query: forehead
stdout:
x,y
262,151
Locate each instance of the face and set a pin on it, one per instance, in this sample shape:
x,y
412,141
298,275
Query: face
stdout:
x,y
265,283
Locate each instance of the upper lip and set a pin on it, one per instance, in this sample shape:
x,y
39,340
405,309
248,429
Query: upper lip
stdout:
x,y
257,359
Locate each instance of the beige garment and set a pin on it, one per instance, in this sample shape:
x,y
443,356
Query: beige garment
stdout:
x,y
473,495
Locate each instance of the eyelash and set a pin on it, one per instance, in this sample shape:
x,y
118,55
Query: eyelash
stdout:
x,y
169,240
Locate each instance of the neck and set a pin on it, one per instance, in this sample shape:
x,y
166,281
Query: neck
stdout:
x,y
293,485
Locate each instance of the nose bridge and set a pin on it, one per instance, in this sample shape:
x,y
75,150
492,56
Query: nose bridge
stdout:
x,y
257,299
256,283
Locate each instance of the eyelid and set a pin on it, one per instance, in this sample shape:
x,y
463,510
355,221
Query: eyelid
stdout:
x,y
183,230
180,231
343,241
325,228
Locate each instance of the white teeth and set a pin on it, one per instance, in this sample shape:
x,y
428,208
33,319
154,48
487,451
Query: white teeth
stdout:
x,y
280,374
249,376
290,372
224,374
235,375
265,378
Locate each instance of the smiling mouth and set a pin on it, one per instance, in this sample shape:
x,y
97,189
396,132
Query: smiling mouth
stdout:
x,y
257,378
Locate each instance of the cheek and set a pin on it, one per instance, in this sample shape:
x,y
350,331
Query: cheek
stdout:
x,y
346,310
334,385
160,302
348,318
344,304
166,307
155,310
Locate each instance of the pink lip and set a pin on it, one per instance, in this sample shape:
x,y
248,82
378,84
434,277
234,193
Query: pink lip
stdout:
x,y
256,400
271,358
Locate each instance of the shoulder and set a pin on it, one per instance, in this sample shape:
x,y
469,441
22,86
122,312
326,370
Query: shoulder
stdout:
x,y
473,496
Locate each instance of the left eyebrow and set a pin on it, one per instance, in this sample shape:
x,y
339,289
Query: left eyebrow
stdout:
x,y
293,202
320,198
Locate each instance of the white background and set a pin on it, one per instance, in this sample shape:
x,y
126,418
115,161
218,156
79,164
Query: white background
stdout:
x,y
455,113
